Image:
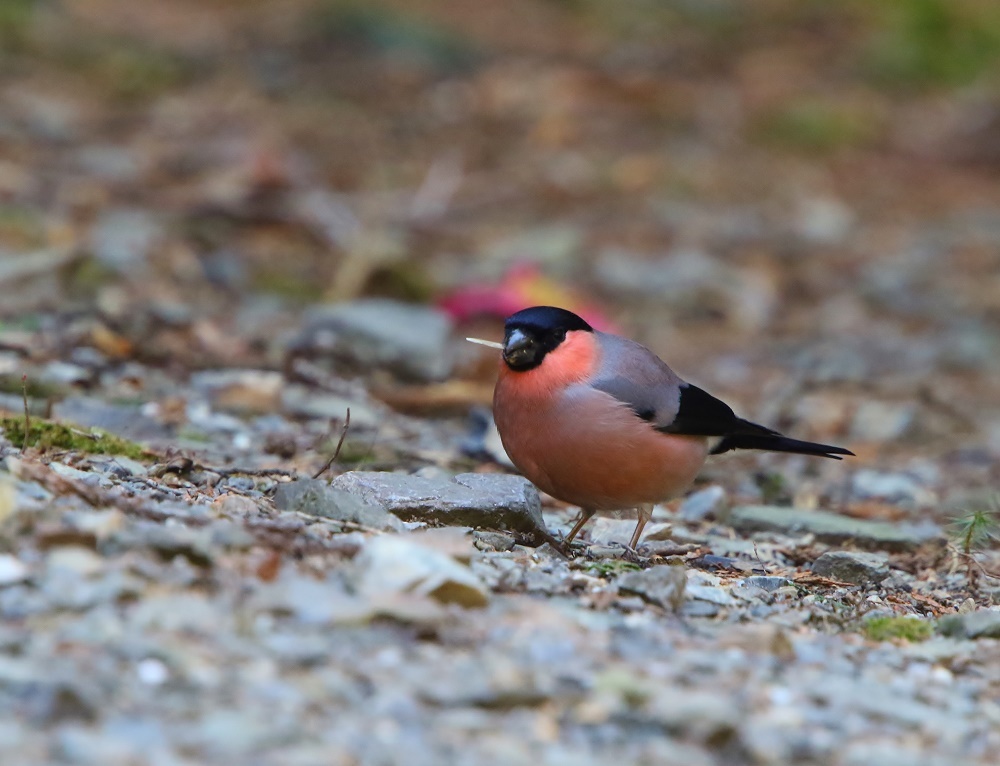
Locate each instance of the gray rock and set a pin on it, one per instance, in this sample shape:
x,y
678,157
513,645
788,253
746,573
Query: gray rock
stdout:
x,y
123,239
704,586
833,528
75,474
61,373
497,501
703,504
317,498
696,608
823,220
410,340
61,700
12,570
311,601
296,649
598,552
186,611
497,541
766,583
171,540
124,420
121,467
699,715
109,163
65,588
305,401
554,245
893,487
984,623
76,560
88,747
393,565
852,567
882,421
660,585
691,279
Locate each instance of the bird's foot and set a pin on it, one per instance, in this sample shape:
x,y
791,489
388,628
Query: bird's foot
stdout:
x,y
562,547
632,556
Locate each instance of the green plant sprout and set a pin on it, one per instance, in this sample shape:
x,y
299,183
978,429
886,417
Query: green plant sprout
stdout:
x,y
974,531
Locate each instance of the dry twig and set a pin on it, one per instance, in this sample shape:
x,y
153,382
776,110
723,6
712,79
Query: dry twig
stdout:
x,y
27,415
340,443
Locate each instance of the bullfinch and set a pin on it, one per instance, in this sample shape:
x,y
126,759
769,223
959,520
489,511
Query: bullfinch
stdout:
x,y
601,422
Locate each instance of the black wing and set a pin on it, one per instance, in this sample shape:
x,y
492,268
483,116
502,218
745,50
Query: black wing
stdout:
x,y
701,414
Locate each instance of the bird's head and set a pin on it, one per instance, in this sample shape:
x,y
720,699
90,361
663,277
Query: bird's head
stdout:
x,y
532,333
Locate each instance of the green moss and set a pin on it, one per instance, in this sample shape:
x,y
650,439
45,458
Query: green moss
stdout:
x,y
297,287
16,18
21,228
126,69
191,434
816,126
135,73
612,568
23,323
910,628
85,276
933,42
46,434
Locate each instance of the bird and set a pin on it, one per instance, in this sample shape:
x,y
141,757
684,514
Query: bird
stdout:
x,y
601,422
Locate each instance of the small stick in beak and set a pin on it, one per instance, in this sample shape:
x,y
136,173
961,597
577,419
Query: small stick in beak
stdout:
x,y
481,342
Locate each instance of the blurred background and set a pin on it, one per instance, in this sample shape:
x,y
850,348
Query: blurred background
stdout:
x,y
795,203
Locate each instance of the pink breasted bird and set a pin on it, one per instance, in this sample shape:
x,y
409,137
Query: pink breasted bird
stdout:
x,y
601,422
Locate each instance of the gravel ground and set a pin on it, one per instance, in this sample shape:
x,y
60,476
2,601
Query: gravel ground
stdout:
x,y
223,606
247,239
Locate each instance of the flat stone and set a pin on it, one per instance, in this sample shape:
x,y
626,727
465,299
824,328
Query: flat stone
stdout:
x,y
704,586
310,601
833,528
498,541
853,567
242,391
892,487
702,505
124,420
881,421
660,585
409,340
395,564
170,540
123,239
317,498
495,501
766,582
81,562
12,570
984,623
607,531
306,401
700,715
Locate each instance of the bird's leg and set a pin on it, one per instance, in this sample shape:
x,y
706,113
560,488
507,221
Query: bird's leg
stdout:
x,y
645,514
585,516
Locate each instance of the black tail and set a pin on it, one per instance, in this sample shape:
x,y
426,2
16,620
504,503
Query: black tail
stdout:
x,y
752,436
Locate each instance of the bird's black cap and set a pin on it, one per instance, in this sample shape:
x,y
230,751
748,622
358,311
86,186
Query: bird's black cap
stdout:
x,y
546,318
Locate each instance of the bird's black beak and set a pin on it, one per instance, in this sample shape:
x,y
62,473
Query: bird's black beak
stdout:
x,y
520,351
